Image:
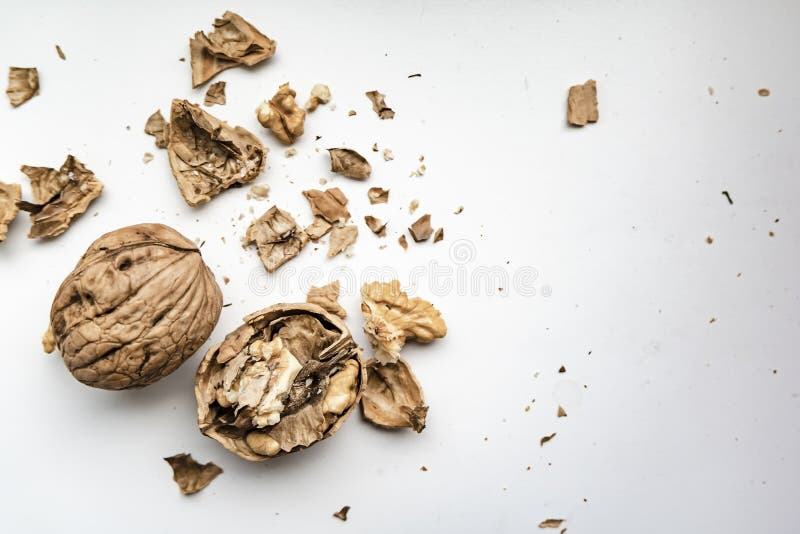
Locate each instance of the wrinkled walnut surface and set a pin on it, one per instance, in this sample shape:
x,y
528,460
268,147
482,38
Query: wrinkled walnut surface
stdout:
x,y
379,105
23,84
10,194
284,380
582,104
190,475
158,128
208,156
349,163
391,319
327,298
342,238
393,397
282,116
60,196
233,42
138,304
215,94
330,204
277,237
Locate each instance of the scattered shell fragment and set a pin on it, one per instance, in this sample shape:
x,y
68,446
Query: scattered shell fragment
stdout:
x,y
207,155
158,128
438,235
378,195
327,297
419,171
342,514
190,475
403,242
379,105
60,52
342,238
215,94
393,397
290,152
551,523
763,92
374,147
320,94
10,194
23,84
458,210
259,192
387,155
413,205
377,226
349,163
582,104
421,230
318,228
561,412
147,157
545,439
330,204
391,319
351,113
233,42
282,116
277,237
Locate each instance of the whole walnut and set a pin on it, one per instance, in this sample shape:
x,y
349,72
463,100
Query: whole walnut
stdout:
x,y
285,379
138,304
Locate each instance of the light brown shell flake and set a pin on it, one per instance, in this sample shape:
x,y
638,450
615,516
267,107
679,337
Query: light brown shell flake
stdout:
x,y
393,397
158,128
207,156
318,228
10,194
421,230
349,163
379,105
282,116
60,196
377,226
23,84
438,235
342,238
391,319
403,242
342,514
320,94
378,195
233,42
285,379
138,304
215,94
277,237
582,104
190,475
551,523
330,204
327,298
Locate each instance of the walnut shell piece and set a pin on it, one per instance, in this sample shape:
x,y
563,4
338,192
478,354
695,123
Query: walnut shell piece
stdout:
x,y
378,195
233,42
277,237
391,319
10,194
330,204
23,84
349,163
379,105
138,304
342,238
393,397
285,379
327,298
158,128
215,94
377,226
421,230
190,475
318,228
207,156
582,104
282,116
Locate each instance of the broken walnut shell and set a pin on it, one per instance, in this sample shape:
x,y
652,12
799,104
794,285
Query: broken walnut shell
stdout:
x,y
215,94
285,379
378,195
190,475
377,226
320,94
327,298
349,163
158,128
379,105
138,304
23,84
393,397
582,104
277,237
342,238
421,230
10,194
282,116
330,204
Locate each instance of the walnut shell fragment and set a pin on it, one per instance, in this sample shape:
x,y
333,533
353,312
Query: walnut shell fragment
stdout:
x,y
233,42
320,94
349,163
327,298
582,104
190,475
207,156
378,195
138,304
10,194
379,106
391,319
318,228
23,84
342,514
438,235
393,397
158,128
421,230
60,196
215,94
377,226
403,242
277,237
282,116
285,379
330,204
342,238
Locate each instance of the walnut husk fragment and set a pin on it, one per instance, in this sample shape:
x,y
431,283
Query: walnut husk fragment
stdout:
x,y
285,379
190,475
342,514
215,94
282,116
59,195
318,228
327,298
342,238
393,397
551,523
349,163
379,106
10,194
377,226
277,237
207,156
582,104
330,204
320,94
23,84
391,318
158,128
421,230
138,304
378,195
233,42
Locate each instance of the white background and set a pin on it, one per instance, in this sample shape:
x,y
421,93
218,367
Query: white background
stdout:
x,y
675,423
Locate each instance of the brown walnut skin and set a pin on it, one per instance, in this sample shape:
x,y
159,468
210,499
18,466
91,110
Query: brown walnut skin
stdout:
x,y
138,304
325,354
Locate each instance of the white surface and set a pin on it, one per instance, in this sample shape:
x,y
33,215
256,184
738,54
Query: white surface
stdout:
x,y
675,423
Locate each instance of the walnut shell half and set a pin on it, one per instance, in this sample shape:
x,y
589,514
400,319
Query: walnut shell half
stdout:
x,y
138,304
284,380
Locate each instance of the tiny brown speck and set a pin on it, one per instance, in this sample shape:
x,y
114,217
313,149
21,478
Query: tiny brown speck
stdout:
x,y
342,514
423,468
562,369
709,240
763,92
